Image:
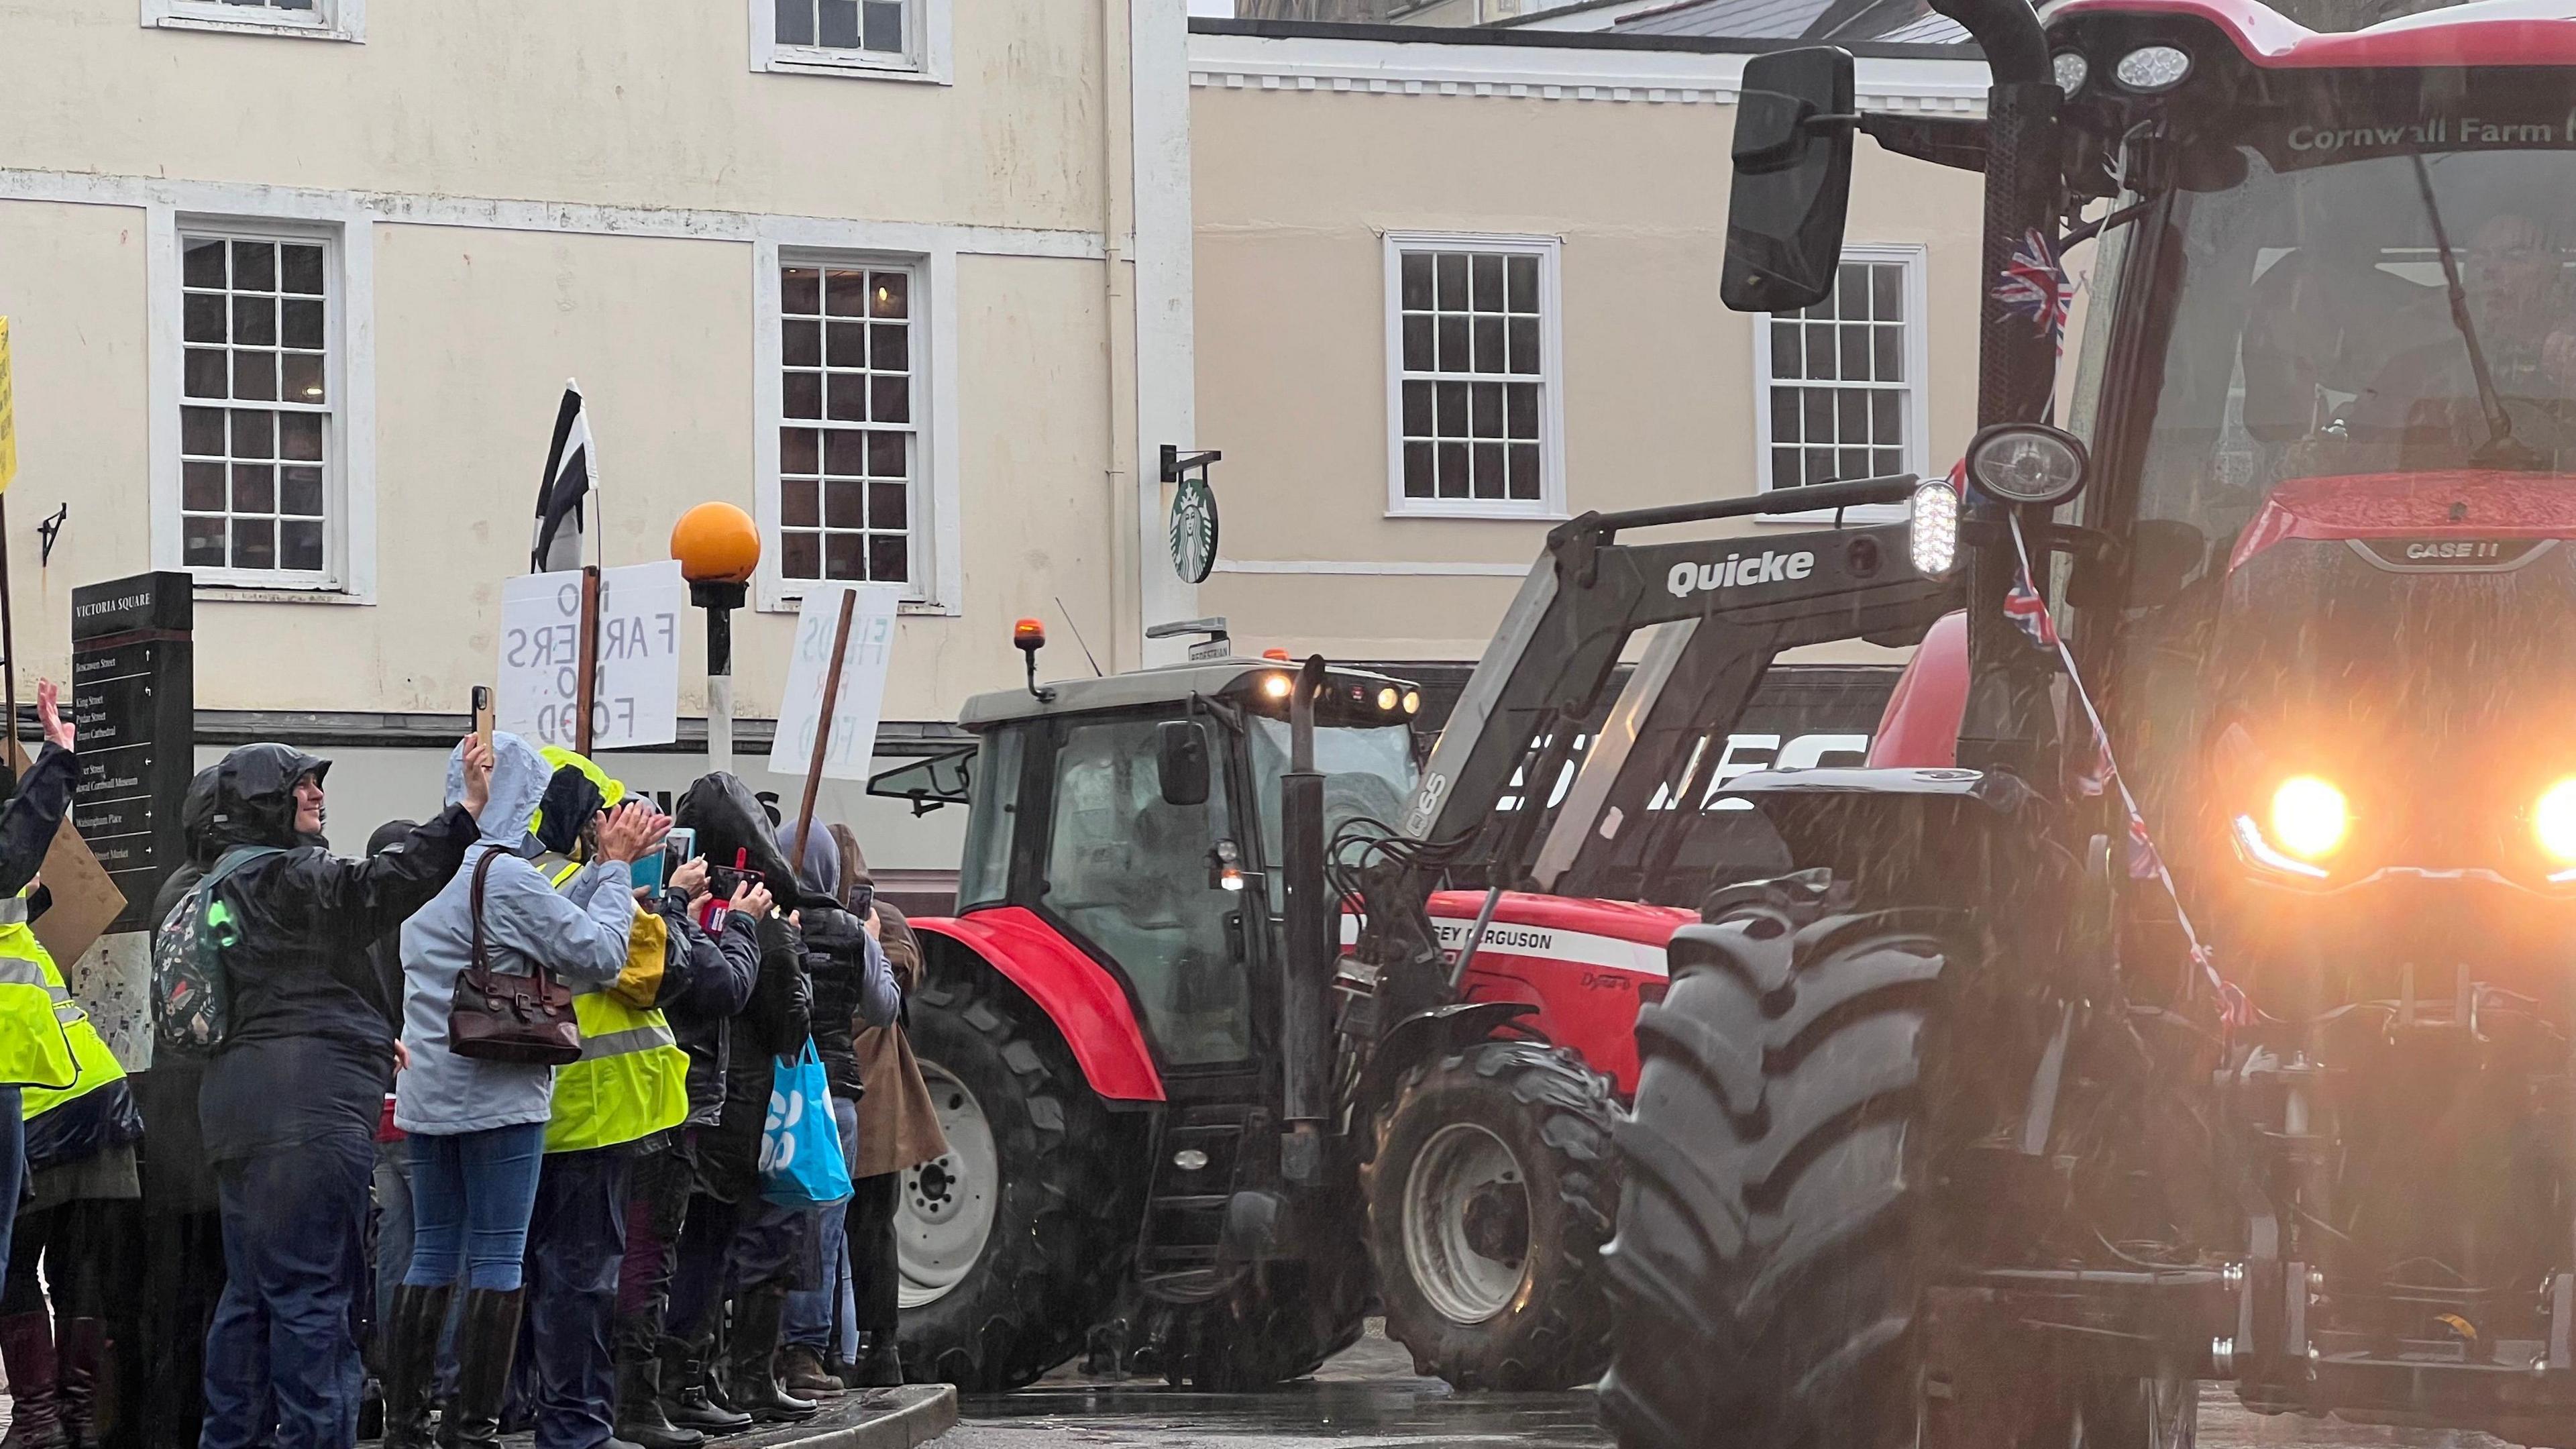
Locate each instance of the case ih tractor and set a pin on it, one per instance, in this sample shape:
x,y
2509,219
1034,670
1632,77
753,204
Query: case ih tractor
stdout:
x,y
1247,1023
2187,991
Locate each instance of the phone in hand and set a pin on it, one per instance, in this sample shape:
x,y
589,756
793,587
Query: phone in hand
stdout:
x,y
483,716
676,849
648,871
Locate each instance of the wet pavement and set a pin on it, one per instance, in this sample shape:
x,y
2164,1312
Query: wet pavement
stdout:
x,y
1369,1399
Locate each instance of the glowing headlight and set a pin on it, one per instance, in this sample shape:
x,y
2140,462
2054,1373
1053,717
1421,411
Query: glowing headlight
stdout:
x,y
2553,827
1934,536
1386,699
2152,68
2310,817
1412,700
1275,685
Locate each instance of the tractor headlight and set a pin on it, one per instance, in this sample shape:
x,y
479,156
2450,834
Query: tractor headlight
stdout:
x,y
2152,68
2553,829
1934,535
2309,820
2027,463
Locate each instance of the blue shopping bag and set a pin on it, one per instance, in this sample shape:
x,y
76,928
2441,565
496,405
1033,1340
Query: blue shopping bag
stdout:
x,y
800,1144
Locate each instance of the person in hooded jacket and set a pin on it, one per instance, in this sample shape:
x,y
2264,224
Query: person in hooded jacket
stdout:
x,y
291,1096
853,986
476,1128
660,1404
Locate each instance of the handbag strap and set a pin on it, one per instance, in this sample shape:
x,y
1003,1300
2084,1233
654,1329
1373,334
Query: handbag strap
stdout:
x,y
482,959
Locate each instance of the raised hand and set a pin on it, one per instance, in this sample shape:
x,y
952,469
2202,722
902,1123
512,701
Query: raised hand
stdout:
x,y
478,776
49,709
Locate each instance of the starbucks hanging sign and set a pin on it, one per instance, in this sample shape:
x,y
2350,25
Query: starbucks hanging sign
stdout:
x,y
1194,524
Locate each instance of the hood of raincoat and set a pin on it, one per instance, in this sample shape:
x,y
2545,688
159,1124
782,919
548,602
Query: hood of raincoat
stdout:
x,y
254,796
730,822
820,871
578,791
519,778
387,833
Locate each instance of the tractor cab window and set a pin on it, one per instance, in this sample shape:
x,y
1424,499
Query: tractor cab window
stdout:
x,y
984,872
1368,775
1130,874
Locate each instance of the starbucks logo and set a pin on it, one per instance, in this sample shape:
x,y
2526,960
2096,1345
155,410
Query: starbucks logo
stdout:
x,y
1194,530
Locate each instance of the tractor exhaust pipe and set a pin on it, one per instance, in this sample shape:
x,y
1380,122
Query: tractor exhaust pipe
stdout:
x,y
1311,938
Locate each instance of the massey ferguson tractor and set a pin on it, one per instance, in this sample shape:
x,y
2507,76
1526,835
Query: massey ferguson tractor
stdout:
x,y
1248,1023
2186,990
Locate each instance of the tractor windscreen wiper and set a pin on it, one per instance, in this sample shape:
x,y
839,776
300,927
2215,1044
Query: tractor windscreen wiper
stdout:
x,y
2501,449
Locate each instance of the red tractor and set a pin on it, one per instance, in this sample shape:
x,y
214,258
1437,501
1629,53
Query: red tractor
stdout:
x,y
1249,1023
2187,990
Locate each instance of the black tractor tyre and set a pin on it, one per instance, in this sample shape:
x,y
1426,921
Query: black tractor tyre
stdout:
x,y
1775,1228
1495,1281
1280,1323
1066,1205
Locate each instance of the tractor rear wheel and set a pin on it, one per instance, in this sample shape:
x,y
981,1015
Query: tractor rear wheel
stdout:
x,y
1014,1244
1281,1322
1490,1194
1776,1228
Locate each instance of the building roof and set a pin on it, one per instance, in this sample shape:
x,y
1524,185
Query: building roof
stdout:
x,y
1896,21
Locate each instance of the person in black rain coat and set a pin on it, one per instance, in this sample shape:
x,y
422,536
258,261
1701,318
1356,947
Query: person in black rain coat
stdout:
x,y
293,1094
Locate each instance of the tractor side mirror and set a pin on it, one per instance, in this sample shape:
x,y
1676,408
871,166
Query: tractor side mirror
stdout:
x,y
1793,158
1181,760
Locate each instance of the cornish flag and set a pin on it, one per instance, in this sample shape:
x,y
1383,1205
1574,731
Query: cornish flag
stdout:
x,y
2029,613
572,472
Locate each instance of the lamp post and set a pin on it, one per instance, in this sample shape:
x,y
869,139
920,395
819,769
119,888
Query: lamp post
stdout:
x,y
718,546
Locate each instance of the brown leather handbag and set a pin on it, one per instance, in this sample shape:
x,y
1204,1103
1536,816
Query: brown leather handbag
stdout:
x,y
500,1017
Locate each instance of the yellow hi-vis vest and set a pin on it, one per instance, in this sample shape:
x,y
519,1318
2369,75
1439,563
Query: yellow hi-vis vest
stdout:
x,y
91,1064
36,1012
632,1080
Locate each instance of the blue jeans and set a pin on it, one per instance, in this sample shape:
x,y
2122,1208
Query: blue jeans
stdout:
x,y
471,1196
294,1255
813,1314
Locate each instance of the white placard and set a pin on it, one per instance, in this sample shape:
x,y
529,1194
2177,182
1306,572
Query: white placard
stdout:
x,y
863,676
636,698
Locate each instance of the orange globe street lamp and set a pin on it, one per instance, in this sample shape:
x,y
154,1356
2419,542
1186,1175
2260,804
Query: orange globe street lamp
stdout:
x,y
718,546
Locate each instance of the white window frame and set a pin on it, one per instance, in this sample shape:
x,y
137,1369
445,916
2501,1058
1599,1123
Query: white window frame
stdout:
x,y
349,458
1918,402
1550,503
938,582
327,20
932,59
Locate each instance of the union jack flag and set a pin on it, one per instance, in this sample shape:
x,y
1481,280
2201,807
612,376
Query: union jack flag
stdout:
x,y
2144,863
2029,613
2035,286
2095,777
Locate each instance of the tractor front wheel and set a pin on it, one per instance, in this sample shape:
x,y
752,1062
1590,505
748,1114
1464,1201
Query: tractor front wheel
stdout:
x,y
1016,1242
1489,1197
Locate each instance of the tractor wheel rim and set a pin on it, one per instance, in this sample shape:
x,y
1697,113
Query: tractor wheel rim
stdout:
x,y
1463,1170
945,1215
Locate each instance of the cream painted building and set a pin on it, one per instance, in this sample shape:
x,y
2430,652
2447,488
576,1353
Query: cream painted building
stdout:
x,y
1454,288
294,286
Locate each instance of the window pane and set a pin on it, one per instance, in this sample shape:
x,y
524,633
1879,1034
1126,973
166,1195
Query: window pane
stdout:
x,y
1417,344
1784,467
254,488
845,344
255,376
838,24
1887,295
1887,408
1820,465
1525,348
890,347
203,266
889,506
849,397
845,453
1855,352
845,504
1417,409
299,491
891,399
300,270
886,456
1851,291
1851,416
1888,344
1486,409
1489,470
1524,288
1784,415
302,377
884,26
254,434
1488,272
1452,267
1417,470
1820,352
1453,470
804,395
802,344
254,266
1489,344
889,558
300,322
201,431
799,503
845,556
800,290
1886,462
204,543
201,487
206,318
254,543
1524,466
796,450
800,556
205,372
796,22
1414,270
1788,359
1453,344
1451,398
845,294
255,321
300,546
1521,409
1818,403
1851,463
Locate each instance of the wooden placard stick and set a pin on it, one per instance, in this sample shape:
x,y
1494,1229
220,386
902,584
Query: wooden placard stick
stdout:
x,y
586,685
823,726
9,650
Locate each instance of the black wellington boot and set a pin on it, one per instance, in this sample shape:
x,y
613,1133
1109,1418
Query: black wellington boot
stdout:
x,y
412,1325
684,1392
640,1420
760,1317
485,1344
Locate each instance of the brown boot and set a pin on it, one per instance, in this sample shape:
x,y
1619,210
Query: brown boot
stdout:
x,y
801,1372
27,1353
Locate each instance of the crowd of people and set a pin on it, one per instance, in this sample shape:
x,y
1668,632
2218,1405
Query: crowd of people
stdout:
x,y
394,1185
